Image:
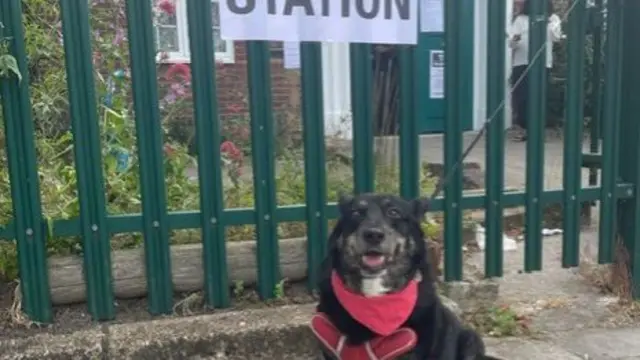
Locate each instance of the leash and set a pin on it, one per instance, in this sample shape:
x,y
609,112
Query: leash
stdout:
x,y
440,185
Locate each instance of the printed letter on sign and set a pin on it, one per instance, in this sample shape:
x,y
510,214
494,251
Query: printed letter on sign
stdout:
x,y
248,7
354,21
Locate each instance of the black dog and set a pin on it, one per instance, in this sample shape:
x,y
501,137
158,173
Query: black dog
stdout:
x,y
377,247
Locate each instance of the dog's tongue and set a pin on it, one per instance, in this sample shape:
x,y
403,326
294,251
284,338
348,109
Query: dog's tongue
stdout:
x,y
373,260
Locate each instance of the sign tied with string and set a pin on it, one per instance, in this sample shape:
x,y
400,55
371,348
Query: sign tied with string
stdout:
x,y
355,21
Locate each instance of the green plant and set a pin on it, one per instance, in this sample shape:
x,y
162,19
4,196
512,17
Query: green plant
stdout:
x,y
431,229
8,63
499,321
278,291
238,288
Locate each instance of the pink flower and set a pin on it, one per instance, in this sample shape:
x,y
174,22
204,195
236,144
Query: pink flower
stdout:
x,y
178,70
234,108
167,6
168,150
231,150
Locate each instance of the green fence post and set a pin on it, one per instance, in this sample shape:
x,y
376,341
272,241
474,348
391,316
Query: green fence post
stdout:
x,y
88,155
150,148
262,149
629,210
23,173
409,130
452,144
314,159
208,141
536,118
360,56
611,132
596,91
496,20
574,119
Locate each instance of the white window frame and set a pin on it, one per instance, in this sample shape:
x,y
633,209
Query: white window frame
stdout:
x,y
184,53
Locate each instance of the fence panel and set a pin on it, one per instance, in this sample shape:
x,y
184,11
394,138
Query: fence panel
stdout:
x,y
27,228
610,133
361,115
619,204
314,155
574,119
452,144
87,150
205,104
150,147
495,137
409,140
259,70
629,211
536,103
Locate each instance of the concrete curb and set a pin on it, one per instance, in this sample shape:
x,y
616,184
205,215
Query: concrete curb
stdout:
x,y
275,333
272,333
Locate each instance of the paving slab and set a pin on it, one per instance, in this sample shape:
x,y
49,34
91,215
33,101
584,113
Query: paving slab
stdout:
x,y
602,344
526,349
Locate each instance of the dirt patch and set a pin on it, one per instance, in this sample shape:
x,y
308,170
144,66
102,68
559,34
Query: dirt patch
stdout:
x,y
68,319
6,301
614,280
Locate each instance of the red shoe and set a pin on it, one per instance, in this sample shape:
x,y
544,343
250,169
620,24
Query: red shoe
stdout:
x,y
390,347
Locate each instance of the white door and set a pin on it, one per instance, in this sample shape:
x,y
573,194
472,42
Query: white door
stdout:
x,y
480,65
336,90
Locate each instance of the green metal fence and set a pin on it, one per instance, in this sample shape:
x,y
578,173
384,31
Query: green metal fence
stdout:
x,y
620,132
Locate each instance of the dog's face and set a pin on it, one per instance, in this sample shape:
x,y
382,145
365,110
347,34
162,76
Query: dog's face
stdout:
x,y
379,241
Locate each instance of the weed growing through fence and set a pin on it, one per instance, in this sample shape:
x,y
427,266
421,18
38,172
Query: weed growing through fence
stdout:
x,y
238,288
278,291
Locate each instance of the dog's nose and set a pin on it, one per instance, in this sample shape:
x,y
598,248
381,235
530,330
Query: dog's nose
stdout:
x,y
373,236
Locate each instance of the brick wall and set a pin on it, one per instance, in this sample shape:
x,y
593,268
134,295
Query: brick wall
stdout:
x,y
232,83
232,86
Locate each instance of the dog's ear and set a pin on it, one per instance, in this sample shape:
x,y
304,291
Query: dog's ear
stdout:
x,y
345,201
420,207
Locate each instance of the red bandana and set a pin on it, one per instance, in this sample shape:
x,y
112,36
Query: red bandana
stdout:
x,y
381,314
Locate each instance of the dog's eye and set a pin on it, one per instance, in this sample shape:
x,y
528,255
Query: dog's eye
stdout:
x,y
393,213
357,213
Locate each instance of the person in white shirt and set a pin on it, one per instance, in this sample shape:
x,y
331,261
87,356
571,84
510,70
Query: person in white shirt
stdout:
x,y
518,34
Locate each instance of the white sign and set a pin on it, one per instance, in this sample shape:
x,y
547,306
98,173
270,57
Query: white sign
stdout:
x,y
432,16
356,21
436,74
291,55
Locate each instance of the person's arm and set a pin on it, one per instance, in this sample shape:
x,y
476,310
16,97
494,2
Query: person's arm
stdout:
x,y
515,33
555,28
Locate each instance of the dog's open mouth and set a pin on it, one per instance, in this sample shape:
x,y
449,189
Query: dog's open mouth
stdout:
x,y
374,260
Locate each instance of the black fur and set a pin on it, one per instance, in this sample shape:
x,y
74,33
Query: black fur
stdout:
x,y
440,333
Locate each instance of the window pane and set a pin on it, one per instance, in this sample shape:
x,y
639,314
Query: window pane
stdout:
x,y
221,45
163,18
168,39
215,14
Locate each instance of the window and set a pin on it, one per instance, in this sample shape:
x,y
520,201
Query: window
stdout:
x,y
172,34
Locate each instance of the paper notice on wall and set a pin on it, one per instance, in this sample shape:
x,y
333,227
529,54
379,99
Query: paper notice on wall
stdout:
x,y
375,22
436,74
432,16
291,54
